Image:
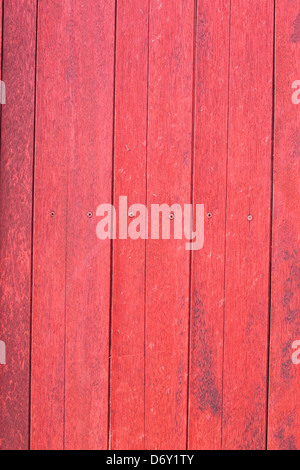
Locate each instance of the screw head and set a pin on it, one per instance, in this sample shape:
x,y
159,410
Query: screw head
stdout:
x,y
209,215
131,214
172,216
90,215
52,213
250,218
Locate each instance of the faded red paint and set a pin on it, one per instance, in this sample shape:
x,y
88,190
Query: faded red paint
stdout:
x,y
134,344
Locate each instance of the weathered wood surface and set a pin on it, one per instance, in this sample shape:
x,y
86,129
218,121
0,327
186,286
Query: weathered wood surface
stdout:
x,y
16,189
209,185
141,344
127,405
247,270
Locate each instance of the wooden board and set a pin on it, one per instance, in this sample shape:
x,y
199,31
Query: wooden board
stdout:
x,y
127,402
248,242
71,266
89,259
284,412
142,344
17,136
207,296
169,165
50,212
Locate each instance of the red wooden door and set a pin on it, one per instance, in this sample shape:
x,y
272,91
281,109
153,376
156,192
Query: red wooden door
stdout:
x,y
138,343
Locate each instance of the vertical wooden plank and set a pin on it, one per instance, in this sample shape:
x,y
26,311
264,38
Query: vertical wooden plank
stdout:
x,y
71,266
17,135
91,72
248,241
207,301
284,412
127,370
169,181
53,132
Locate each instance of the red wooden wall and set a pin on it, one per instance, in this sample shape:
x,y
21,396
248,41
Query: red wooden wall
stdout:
x,y
136,344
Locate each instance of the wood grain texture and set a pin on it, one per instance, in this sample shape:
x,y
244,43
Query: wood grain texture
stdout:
x,y
207,301
284,412
50,212
17,136
70,368
169,181
127,367
91,82
141,344
248,242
